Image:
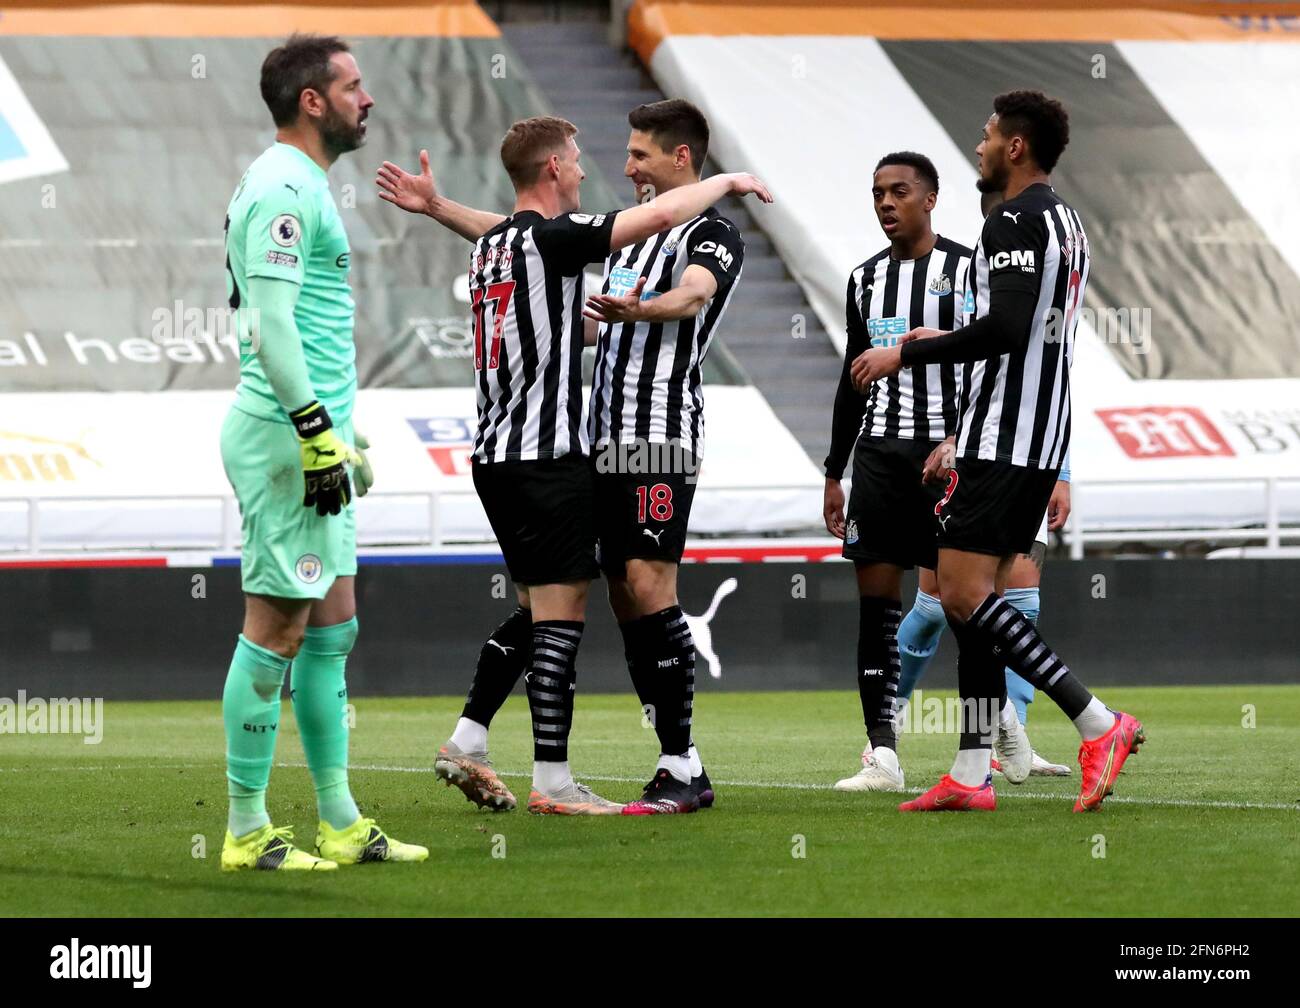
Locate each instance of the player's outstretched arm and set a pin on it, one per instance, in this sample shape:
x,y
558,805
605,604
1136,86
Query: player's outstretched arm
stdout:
x,y
419,194
677,206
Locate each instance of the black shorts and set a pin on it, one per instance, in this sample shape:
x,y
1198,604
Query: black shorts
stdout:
x,y
643,515
890,517
541,512
994,507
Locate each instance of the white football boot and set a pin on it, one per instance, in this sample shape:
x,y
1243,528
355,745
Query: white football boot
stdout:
x,y
1014,753
880,772
1040,767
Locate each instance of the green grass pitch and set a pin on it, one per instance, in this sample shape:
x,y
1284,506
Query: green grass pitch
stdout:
x,y
1204,821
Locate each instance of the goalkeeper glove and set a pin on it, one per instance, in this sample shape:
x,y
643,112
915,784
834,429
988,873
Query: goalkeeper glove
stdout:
x,y
324,460
363,475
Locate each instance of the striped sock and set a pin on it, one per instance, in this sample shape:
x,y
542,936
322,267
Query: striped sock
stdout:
x,y
1020,691
551,681
1017,643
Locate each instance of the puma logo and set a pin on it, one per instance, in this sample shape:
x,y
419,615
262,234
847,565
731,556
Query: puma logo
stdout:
x,y
292,189
1015,217
943,522
653,535
322,452
504,650
699,627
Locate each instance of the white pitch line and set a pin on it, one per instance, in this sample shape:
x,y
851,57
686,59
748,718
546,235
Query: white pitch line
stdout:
x,y
775,785
786,786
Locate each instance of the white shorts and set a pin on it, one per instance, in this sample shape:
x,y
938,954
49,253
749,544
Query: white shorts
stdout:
x,y
1042,531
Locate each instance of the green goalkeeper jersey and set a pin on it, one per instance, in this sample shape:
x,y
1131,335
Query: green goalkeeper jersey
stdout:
x,y
282,224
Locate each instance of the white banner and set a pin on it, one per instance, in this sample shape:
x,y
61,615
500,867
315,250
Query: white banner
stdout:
x,y
165,446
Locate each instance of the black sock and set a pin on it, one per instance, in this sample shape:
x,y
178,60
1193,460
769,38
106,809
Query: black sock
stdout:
x,y
500,664
661,658
878,667
551,681
633,634
1018,645
978,672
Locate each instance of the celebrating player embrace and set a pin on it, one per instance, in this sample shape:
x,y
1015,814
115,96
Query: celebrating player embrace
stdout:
x,y
530,461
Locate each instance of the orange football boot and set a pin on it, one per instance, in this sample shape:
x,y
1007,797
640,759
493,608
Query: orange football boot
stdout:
x,y
1102,759
949,796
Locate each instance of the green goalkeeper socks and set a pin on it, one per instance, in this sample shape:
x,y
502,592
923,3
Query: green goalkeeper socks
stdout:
x,y
250,708
320,699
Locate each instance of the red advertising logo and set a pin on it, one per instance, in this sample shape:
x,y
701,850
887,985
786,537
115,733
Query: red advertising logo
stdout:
x,y
451,461
448,441
1146,432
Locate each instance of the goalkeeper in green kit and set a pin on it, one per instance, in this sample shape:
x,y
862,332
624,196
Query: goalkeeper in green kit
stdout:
x,y
291,455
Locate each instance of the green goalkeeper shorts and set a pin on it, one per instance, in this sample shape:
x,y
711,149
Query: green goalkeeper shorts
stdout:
x,y
289,551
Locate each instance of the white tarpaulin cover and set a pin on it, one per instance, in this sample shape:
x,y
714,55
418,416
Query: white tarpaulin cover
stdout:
x,y
755,477
853,104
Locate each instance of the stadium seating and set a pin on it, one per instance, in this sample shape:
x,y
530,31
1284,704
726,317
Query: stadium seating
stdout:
x,y
1185,384
116,352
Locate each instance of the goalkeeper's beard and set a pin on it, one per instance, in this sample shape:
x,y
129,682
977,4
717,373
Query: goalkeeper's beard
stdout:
x,y
337,136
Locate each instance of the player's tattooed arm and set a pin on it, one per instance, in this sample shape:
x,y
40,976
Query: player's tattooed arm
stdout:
x,y
419,194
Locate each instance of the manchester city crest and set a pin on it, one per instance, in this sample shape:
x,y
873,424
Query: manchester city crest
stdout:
x,y
308,568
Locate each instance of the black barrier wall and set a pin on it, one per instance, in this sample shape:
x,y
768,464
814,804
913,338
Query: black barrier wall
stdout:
x,y
168,633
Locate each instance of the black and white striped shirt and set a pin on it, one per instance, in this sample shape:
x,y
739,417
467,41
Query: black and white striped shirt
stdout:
x,y
648,384
526,297
1016,407
886,298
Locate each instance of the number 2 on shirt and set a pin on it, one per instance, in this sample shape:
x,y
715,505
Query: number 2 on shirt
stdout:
x,y
499,294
